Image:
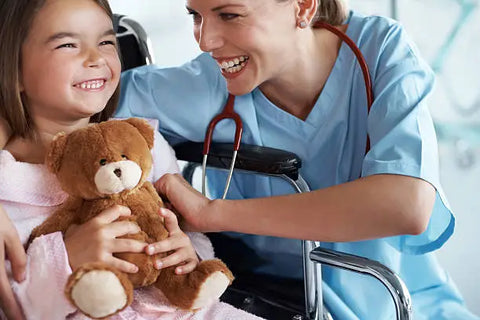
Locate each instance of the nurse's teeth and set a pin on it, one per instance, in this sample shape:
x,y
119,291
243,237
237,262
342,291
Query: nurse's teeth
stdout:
x,y
234,65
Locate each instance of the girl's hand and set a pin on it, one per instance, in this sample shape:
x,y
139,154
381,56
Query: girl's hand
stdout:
x,y
183,253
11,247
5,133
182,198
96,240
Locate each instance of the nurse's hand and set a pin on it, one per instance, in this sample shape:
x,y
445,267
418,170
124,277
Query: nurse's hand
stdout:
x,y
183,199
11,248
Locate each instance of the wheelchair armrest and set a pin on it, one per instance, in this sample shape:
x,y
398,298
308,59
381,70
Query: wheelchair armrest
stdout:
x,y
387,277
258,159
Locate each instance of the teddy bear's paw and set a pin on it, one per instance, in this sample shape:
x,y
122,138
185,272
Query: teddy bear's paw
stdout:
x,y
99,293
211,289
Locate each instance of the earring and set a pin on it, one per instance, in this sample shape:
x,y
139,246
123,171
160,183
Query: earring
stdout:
x,y
302,24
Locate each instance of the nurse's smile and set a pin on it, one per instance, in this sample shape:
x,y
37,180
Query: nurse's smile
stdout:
x,y
231,67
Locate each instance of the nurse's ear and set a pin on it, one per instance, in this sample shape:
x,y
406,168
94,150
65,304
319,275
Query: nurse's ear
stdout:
x,y
306,10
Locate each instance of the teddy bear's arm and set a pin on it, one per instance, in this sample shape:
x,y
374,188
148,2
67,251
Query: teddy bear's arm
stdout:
x,y
60,220
151,190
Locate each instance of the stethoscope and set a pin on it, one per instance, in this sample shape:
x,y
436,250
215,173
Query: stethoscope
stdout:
x,y
228,111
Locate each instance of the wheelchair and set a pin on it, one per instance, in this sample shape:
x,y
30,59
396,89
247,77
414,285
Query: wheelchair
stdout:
x,y
135,50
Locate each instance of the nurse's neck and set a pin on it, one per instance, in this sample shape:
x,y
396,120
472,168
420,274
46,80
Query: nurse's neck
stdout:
x,y
297,88
33,150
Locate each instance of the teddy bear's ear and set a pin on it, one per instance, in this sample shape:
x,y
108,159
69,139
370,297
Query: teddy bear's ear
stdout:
x,y
55,152
144,128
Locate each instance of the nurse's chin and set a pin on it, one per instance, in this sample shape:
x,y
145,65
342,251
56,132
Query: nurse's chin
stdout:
x,y
238,89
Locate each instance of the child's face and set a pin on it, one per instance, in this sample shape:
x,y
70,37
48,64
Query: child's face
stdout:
x,y
70,65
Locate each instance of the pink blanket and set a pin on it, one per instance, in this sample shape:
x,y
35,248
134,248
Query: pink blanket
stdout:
x,y
29,193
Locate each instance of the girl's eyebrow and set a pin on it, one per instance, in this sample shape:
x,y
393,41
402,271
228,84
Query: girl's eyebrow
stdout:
x,y
61,35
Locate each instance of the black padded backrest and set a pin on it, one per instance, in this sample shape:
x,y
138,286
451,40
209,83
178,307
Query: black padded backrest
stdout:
x,y
133,42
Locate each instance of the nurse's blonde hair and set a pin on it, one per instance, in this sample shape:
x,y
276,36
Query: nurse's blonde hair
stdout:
x,y
333,12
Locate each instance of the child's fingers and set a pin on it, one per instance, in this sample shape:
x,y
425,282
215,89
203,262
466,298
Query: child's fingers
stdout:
x,y
7,300
111,214
122,265
187,267
121,228
178,257
168,244
127,245
16,254
171,222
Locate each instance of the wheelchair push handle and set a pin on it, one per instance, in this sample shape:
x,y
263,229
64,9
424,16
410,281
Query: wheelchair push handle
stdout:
x,y
395,286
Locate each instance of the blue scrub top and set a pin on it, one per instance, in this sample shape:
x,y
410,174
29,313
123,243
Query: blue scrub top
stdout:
x,y
331,143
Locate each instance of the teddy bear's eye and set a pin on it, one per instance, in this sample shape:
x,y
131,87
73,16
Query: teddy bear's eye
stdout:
x,y
124,157
103,162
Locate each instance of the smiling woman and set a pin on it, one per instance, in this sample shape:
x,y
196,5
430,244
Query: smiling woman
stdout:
x,y
299,89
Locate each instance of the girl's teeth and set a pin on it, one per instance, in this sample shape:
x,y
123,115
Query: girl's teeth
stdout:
x,y
92,84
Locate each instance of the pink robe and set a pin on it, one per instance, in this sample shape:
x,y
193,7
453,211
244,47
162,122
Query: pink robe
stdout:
x,y
29,193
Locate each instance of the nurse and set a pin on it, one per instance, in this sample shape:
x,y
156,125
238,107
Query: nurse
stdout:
x,y
300,89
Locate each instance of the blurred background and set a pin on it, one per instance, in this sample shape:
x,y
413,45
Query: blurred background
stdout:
x,y
447,34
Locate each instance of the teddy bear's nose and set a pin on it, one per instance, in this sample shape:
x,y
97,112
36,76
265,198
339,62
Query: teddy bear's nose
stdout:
x,y
118,172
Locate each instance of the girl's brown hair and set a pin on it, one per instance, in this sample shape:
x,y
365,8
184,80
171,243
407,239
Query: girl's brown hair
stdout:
x,y
16,17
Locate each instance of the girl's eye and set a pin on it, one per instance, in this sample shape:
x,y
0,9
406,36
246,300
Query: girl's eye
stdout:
x,y
103,162
228,16
66,45
108,42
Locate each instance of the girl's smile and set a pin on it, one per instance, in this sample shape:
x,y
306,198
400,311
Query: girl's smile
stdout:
x,y
91,85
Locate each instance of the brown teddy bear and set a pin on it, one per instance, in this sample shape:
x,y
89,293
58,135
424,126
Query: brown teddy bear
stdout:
x,y
107,164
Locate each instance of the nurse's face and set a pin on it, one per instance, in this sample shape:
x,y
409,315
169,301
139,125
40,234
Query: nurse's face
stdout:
x,y
253,41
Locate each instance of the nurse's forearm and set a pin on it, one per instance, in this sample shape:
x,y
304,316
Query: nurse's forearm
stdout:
x,y
4,133
372,207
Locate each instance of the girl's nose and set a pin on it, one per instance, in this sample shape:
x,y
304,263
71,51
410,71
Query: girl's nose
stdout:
x,y
210,37
94,58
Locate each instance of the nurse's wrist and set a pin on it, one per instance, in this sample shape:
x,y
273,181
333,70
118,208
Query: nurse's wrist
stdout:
x,y
215,216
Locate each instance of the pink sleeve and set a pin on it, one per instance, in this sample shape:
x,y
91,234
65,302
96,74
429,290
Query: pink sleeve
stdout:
x,y
164,159
41,295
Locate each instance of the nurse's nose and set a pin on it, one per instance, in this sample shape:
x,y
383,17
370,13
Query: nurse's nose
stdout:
x,y
209,37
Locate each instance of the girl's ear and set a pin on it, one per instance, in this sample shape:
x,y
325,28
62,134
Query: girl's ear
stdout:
x,y
55,152
306,10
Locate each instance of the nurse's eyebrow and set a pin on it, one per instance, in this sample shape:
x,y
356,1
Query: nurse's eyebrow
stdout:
x,y
61,35
225,6
190,10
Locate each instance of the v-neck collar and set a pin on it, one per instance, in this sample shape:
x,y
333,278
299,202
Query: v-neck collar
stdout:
x,y
326,100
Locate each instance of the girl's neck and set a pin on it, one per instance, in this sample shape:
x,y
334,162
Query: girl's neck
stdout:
x,y
33,150
297,89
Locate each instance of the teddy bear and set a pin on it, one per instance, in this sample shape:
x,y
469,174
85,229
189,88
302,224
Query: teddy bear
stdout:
x,y
107,164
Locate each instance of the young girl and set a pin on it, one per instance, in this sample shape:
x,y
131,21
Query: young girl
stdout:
x,y
59,71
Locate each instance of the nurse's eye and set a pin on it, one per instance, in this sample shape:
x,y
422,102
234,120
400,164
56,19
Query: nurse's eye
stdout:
x,y
228,16
196,17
